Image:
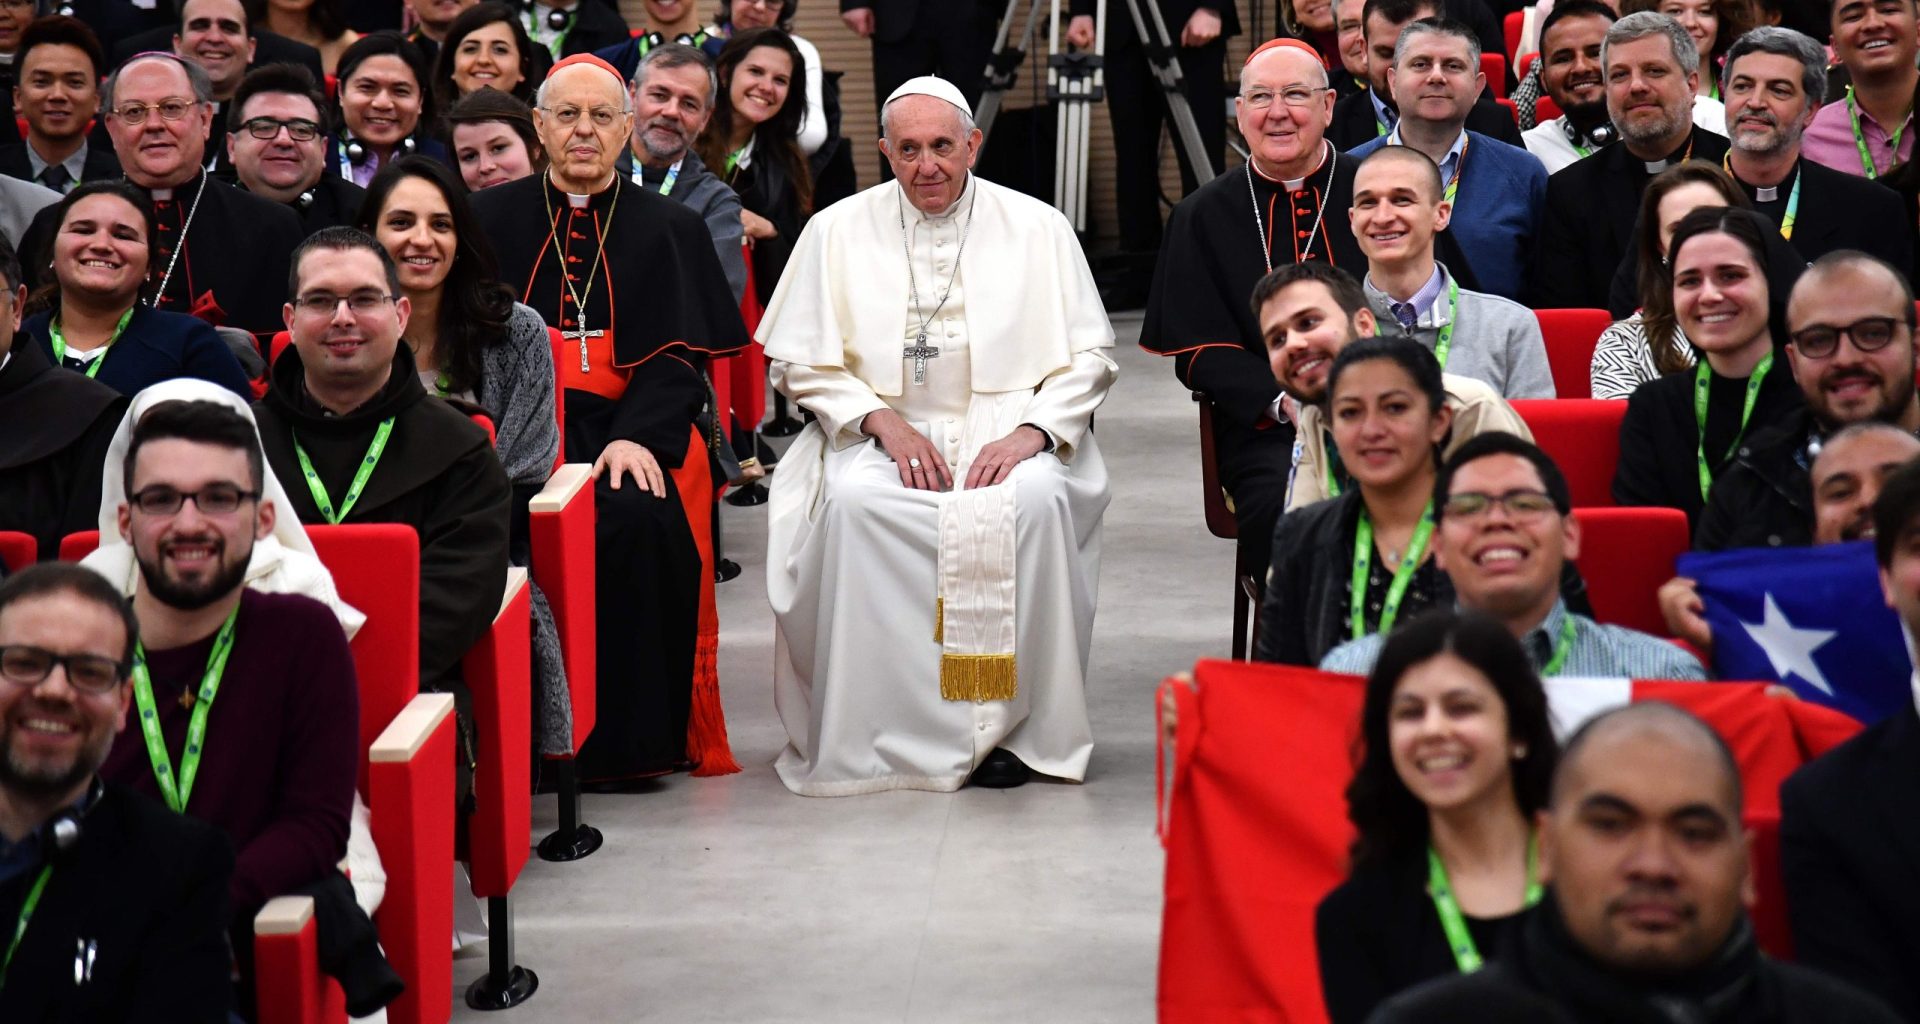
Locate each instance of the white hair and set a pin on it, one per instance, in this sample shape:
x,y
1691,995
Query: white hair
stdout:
x,y
540,95
967,125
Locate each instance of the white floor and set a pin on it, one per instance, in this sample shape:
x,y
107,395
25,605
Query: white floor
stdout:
x,y
732,900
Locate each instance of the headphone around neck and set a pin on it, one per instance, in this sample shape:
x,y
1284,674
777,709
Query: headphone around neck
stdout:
x,y
64,829
357,154
557,19
1601,134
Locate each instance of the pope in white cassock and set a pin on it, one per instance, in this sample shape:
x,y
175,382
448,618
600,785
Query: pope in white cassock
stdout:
x,y
934,543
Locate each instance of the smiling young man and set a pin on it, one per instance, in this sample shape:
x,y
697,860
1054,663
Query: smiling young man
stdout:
x,y
1648,872
1653,73
277,131
57,92
674,90
1869,131
1506,534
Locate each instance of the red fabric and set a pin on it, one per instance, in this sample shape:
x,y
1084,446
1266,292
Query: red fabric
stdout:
x,y
1511,26
1571,335
1520,68
1582,436
411,807
1494,66
376,569
75,546
1275,44
291,989
499,671
707,744
1251,850
17,550
1625,555
1544,109
563,565
591,60
1512,110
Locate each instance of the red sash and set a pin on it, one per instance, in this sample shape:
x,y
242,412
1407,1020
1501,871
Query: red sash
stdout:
x,y
600,377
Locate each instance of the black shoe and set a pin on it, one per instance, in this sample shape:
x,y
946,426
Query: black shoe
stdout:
x,y
1001,770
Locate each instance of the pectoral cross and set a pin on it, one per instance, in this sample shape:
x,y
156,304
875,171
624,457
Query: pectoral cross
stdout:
x,y
582,336
920,353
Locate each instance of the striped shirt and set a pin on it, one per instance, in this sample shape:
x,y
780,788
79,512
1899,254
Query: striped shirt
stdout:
x,y
1598,651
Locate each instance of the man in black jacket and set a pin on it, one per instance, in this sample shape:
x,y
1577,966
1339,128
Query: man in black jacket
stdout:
x,y
1849,840
1851,321
1372,112
269,159
949,38
121,905
1646,861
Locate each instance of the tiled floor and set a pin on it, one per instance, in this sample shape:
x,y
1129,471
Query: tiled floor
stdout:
x,y
732,900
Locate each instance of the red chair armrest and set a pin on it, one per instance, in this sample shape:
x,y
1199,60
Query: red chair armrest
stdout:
x,y
290,987
18,550
75,546
498,670
561,528
410,796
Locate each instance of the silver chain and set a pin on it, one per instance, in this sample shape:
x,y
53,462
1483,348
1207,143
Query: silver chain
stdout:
x,y
1333,156
178,249
912,281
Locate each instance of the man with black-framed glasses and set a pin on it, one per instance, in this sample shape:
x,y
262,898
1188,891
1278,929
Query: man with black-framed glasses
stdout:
x,y
1850,322
1505,538
277,131
114,908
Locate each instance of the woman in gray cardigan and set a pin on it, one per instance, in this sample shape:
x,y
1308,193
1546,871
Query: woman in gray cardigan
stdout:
x,y
475,345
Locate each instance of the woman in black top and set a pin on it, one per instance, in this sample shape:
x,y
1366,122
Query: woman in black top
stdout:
x,y
1681,429
1456,754
1356,563
751,144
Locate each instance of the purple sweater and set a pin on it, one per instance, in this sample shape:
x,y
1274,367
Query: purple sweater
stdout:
x,y
282,748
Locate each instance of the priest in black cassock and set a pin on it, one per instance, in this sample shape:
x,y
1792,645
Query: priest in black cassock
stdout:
x,y
631,280
346,399
1287,205
1652,75
55,426
222,253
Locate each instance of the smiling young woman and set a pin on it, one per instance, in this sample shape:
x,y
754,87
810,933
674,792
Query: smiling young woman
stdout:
x,y
1456,754
93,319
751,142
487,48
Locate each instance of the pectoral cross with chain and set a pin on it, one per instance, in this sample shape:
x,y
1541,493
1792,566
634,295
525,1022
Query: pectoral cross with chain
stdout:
x,y
582,335
920,353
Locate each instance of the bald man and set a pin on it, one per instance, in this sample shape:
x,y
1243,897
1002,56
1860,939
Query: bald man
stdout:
x,y
1647,867
631,280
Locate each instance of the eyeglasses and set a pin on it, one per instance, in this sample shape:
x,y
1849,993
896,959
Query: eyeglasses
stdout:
x,y
1518,504
211,500
298,129
568,116
319,304
27,665
169,110
1870,334
1298,96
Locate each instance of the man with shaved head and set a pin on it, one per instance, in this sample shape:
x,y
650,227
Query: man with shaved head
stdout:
x,y
1647,867
947,496
630,279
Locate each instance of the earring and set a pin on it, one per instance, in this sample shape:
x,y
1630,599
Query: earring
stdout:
x,y
1519,751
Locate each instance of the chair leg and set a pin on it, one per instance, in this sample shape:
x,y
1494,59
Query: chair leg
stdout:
x,y
783,424
574,839
506,984
1251,593
1242,612
724,568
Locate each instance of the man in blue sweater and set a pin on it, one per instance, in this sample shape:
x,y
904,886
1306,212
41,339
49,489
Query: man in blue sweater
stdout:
x,y
1497,190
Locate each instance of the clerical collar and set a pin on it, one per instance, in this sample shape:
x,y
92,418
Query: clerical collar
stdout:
x,y
1295,184
1679,155
578,201
917,215
162,195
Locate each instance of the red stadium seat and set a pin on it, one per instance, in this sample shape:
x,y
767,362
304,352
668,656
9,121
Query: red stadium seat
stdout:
x,y
1545,109
1494,66
17,550
75,546
1571,335
1222,524
561,531
1625,555
1582,436
1524,64
278,345
1512,24
1513,111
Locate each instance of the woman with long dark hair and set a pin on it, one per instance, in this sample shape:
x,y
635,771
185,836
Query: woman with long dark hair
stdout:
x,y
746,15
92,317
474,344
751,143
488,48
1455,758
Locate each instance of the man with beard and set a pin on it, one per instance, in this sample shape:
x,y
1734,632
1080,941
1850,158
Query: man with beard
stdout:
x,y
347,414
277,132
674,90
1773,81
1372,112
221,254
1851,324
120,905
1846,478
1309,312
1870,131
1647,869
1653,74
55,426
59,65
630,279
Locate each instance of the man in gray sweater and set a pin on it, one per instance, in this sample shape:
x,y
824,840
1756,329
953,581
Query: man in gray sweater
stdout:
x,y
1398,205
674,89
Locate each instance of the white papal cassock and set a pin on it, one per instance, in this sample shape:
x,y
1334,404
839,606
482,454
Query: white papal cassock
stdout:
x,y
859,566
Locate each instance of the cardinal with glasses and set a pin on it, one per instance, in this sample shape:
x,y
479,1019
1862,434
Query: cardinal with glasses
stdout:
x,y
630,281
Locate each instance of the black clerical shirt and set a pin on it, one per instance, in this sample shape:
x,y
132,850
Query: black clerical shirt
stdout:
x,y
55,426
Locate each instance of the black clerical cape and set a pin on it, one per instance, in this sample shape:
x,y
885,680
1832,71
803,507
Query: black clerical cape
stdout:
x,y
656,307
55,426
1589,220
438,474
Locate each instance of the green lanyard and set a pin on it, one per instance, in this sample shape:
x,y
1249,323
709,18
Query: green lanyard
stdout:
x,y
1860,139
733,161
1444,344
1701,374
177,793
1465,953
1330,453
1561,648
93,368
1363,567
26,914
1793,200
372,459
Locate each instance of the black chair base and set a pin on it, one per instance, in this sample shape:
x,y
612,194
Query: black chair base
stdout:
x,y
725,569
562,846
517,987
748,496
785,426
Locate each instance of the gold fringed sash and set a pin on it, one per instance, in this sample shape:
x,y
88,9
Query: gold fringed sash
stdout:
x,y
978,677
973,612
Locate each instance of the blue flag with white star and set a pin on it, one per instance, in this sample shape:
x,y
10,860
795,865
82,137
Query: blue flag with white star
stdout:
x,y
1812,618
